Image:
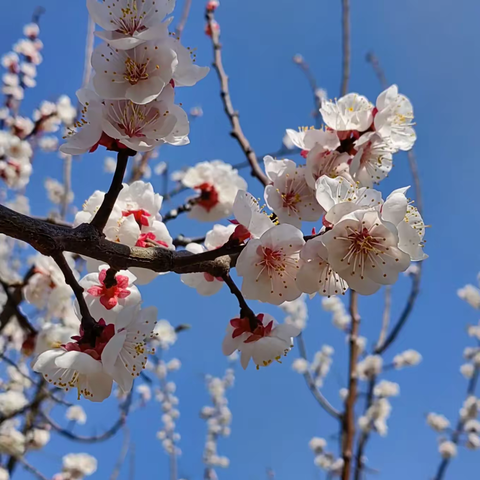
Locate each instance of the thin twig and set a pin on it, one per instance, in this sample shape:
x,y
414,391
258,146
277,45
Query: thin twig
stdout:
x,y
183,19
124,410
305,68
34,382
345,47
174,213
31,469
14,305
138,169
67,186
455,437
123,454
245,310
232,114
317,394
348,427
386,315
101,217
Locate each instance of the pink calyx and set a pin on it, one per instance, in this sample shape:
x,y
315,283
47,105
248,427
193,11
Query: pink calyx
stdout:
x,y
109,296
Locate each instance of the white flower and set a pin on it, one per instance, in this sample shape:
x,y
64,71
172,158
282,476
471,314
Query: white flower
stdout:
x,y
217,184
306,138
467,370
107,301
31,30
339,197
317,445
109,165
470,408
138,75
376,417
52,336
341,319
373,160
65,110
269,265
268,342
12,442
300,365
473,442
289,196
331,163
409,223
46,279
145,392
204,283
15,172
470,294
386,389
165,334
37,438
127,25
77,414
125,355
316,274
75,369
252,221
447,449
79,464
438,422
370,367
118,124
351,112
11,401
48,144
408,358
4,475
363,249
56,191
394,119
296,312
472,426
29,49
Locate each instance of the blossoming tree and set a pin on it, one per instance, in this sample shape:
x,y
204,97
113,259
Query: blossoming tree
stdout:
x,y
87,333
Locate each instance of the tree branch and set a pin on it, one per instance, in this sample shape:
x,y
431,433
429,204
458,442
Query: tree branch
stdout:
x,y
305,68
345,47
455,437
232,114
101,217
245,310
50,240
317,394
348,428
183,19
386,316
124,410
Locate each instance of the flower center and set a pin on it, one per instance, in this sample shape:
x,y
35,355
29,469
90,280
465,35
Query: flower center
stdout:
x,y
146,240
208,196
80,345
139,215
135,72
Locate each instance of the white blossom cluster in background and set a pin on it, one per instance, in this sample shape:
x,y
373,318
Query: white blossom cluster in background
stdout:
x,y
466,432
218,418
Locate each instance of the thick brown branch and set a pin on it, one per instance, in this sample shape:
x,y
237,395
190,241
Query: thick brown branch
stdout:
x,y
13,303
101,217
232,114
50,240
345,47
348,428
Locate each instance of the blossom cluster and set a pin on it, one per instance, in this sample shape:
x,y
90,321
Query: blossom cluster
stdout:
x,y
138,67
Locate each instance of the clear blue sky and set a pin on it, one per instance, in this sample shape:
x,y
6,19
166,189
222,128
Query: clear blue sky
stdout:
x,y
430,49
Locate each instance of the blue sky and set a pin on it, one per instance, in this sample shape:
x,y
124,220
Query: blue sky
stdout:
x,y
429,49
